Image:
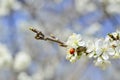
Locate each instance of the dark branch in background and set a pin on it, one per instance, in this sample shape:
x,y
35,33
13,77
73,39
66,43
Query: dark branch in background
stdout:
x,y
41,36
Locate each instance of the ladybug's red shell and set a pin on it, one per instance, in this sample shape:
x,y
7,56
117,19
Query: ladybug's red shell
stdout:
x,y
72,51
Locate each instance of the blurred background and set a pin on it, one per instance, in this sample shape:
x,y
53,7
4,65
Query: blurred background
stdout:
x,y
24,58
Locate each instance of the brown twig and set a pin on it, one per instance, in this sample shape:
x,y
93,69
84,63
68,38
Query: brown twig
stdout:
x,y
41,36
113,37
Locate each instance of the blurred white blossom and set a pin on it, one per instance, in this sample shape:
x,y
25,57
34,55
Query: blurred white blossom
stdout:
x,y
24,76
112,6
22,61
38,76
5,57
91,30
82,8
7,5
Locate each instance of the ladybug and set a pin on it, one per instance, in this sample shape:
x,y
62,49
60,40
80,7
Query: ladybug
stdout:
x,y
72,51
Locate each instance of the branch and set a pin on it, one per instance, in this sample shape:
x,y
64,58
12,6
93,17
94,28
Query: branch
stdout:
x,y
41,36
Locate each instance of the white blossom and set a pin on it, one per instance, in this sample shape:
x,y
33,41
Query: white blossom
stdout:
x,y
101,50
81,7
113,8
101,47
100,53
24,76
22,61
116,49
38,76
73,42
97,48
117,52
5,57
100,62
7,5
115,44
72,57
90,48
92,29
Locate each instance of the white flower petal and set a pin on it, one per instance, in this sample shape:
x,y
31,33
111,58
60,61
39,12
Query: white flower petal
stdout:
x,y
98,52
81,43
111,51
99,59
99,43
73,59
105,56
68,57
